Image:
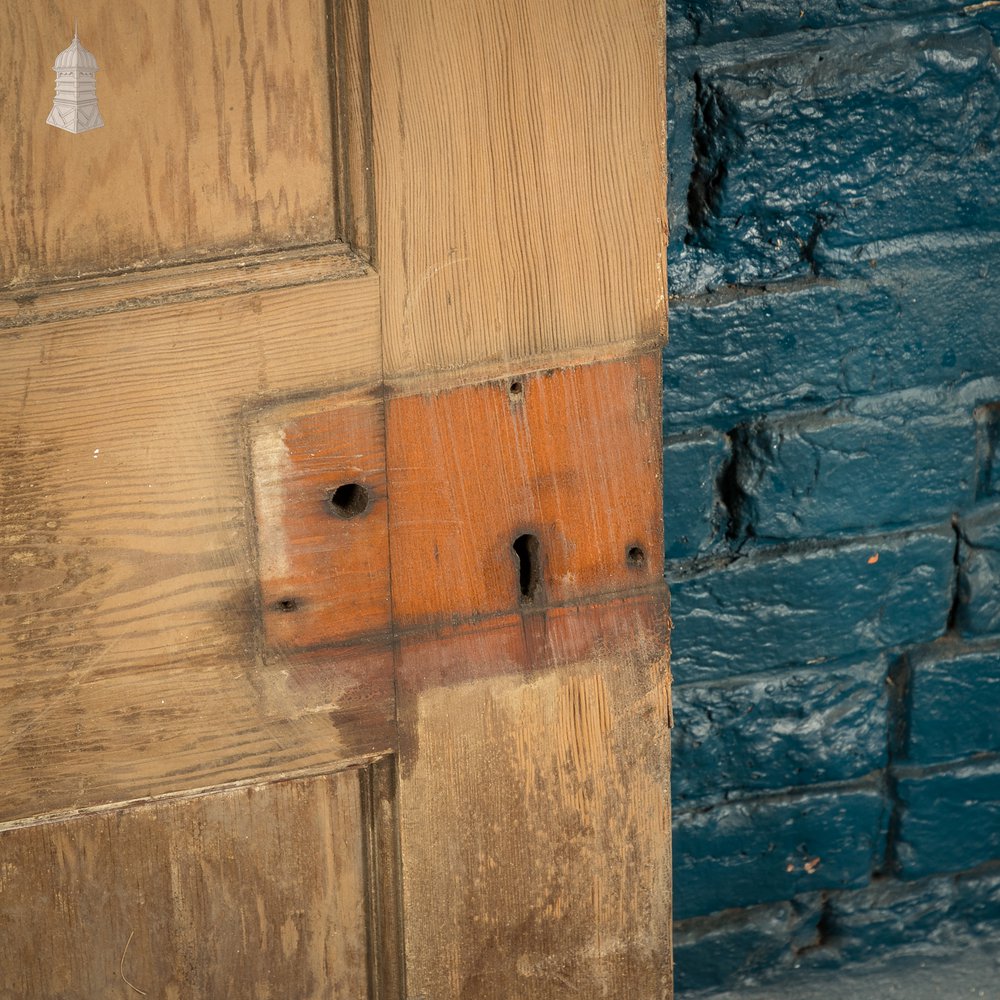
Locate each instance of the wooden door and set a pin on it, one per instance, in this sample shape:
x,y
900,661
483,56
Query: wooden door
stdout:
x,y
333,651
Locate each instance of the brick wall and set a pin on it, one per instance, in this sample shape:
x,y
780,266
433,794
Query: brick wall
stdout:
x,y
832,499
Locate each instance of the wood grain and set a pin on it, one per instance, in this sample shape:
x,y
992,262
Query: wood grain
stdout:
x,y
520,205
255,892
350,70
130,661
533,733
520,842
569,456
519,167
178,283
320,509
534,810
218,134
385,941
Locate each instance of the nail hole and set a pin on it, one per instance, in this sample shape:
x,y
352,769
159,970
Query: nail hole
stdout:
x,y
348,500
516,388
286,604
526,549
636,556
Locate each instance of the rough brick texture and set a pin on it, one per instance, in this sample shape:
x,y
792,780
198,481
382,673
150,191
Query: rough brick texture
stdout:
x,y
743,353
783,608
853,469
822,143
979,562
693,515
951,821
937,917
955,706
740,853
711,21
783,730
742,944
832,478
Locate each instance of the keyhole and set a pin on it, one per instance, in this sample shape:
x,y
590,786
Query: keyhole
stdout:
x,y
528,577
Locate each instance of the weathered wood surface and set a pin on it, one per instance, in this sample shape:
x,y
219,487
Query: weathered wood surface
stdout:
x,y
257,892
518,230
534,817
533,708
350,74
129,617
519,172
520,203
47,302
320,509
218,134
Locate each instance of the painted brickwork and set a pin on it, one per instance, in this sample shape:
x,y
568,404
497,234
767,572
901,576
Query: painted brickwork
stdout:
x,y
832,457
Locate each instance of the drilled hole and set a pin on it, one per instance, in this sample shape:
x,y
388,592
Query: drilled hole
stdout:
x,y
516,388
348,500
636,556
526,549
286,604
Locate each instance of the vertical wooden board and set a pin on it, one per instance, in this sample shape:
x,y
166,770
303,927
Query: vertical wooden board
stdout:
x,y
217,135
534,810
256,892
520,177
385,945
351,77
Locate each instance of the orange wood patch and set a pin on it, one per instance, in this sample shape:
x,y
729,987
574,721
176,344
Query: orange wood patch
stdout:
x,y
535,490
515,517
320,506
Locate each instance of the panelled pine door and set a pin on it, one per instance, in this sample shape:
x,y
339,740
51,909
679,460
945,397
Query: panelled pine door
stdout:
x,y
332,630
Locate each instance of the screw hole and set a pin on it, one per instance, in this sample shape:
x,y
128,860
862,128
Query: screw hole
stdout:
x,y
348,500
286,605
636,556
516,388
526,549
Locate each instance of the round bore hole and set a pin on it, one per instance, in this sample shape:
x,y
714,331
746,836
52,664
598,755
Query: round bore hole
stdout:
x,y
636,556
286,604
516,388
348,500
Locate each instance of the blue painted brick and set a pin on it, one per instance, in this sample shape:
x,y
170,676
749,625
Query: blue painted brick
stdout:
x,y
873,465
709,21
796,349
955,709
772,731
979,573
723,950
765,850
783,608
987,418
680,104
937,915
915,116
951,820
691,466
